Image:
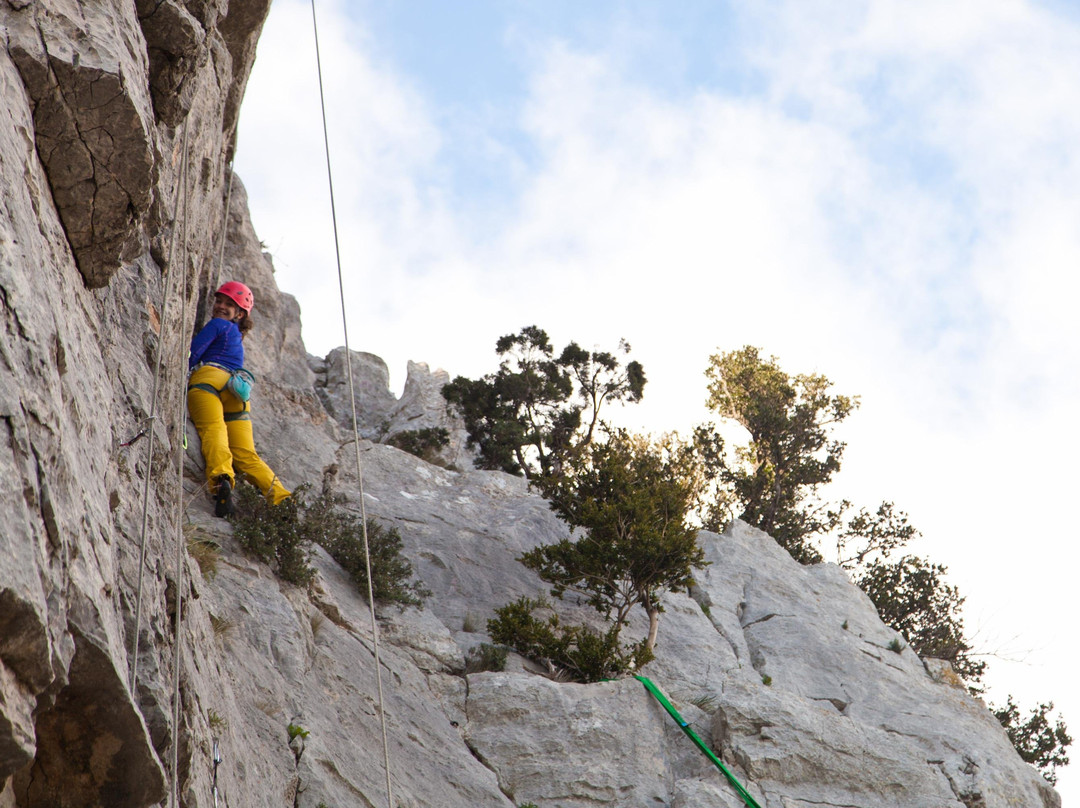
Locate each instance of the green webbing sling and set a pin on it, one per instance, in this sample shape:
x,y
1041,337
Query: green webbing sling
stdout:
x,y
660,697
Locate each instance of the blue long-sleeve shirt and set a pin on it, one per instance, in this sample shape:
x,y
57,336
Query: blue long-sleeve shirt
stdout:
x,y
219,342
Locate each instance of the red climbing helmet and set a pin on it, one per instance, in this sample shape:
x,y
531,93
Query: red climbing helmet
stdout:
x,y
238,294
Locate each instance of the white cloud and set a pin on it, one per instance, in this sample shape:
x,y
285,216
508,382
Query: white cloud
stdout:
x,y
381,141
896,210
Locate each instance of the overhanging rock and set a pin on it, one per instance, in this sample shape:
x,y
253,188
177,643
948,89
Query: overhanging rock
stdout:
x,y
85,72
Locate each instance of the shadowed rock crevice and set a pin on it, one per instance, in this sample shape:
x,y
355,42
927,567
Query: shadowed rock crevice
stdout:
x,y
24,641
724,631
962,782
839,704
92,746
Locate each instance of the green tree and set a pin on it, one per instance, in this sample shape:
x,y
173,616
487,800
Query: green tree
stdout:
x,y
775,485
871,535
630,499
584,654
538,408
424,443
776,481
910,594
912,597
601,378
1038,743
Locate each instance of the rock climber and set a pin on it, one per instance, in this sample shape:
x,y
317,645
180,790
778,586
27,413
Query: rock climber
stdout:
x,y
222,418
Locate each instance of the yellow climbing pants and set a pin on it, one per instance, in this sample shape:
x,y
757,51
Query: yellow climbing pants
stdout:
x,y
224,425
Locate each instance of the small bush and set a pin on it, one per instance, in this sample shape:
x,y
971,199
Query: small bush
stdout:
x,y
580,652
295,730
486,657
283,536
706,702
470,623
424,443
276,534
896,646
203,549
914,600
222,626
766,680
215,720
342,535
1038,741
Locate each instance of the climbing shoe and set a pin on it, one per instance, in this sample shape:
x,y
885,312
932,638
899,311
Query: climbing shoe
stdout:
x,y
223,505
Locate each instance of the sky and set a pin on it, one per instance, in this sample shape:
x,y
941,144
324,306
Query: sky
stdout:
x,y
884,192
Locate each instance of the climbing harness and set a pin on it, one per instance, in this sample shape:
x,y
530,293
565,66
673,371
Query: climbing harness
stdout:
x,y
241,382
355,426
660,697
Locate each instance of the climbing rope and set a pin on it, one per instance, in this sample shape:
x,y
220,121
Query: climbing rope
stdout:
x,y
660,697
163,308
224,230
356,429
181,424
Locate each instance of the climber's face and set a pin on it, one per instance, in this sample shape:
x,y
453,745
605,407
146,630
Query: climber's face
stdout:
x,y
226,309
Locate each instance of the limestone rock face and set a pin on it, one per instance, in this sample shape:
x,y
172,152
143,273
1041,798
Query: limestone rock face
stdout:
x,y
567,744
371,387
280,658
83,67
380,415
122,599
845,720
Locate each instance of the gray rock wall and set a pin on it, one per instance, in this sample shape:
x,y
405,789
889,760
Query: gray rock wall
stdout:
x,y
94,102
89,168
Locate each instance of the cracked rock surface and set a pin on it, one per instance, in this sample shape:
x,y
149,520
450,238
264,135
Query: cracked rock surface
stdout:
x,y
83,67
